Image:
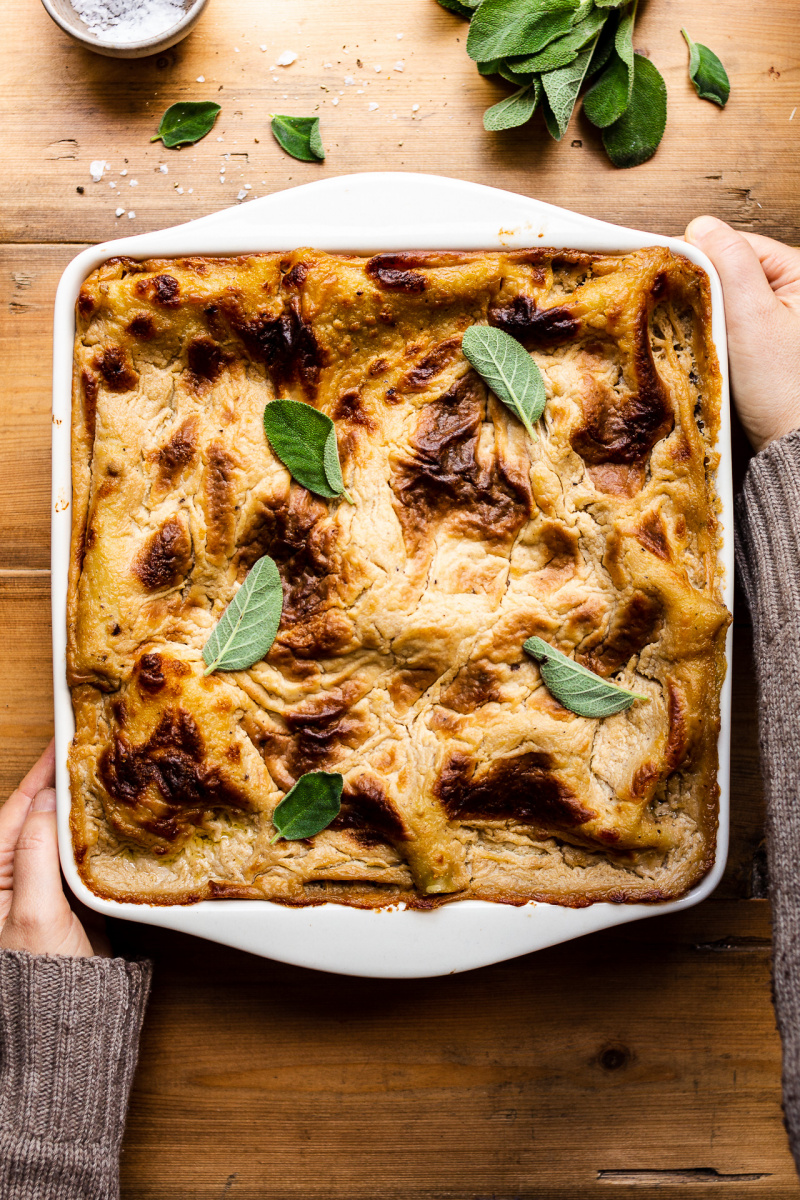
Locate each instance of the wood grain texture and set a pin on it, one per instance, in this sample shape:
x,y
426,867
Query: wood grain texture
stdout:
x,y
75,107
643,1061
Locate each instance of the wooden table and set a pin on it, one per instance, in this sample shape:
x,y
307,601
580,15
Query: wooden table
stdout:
x,y
635,1062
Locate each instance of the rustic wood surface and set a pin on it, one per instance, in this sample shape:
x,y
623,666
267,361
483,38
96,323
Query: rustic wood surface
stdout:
x,y
643,1060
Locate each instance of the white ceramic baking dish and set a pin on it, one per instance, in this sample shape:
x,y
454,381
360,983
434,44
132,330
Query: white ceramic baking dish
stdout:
x,y
365,214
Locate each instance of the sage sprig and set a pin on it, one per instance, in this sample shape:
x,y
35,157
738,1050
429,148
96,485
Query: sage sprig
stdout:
x,y
187,122
304,439
548,50
309,807
246,630
508,370
576,687
300,137
707,73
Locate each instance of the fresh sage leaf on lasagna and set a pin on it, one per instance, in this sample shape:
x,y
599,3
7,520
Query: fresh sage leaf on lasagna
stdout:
x,y
187,122
707,73
246,630
576,687
508,370
300,137
310,806
636,135
502,28
515,110
304,439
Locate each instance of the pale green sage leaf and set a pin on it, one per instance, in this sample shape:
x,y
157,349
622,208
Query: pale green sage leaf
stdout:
x,y
508,369
501,28
562,88
577,688
299,136
304,439
246,630
514,110
563,50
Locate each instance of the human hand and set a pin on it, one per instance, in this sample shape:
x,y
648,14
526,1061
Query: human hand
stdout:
x,y
761,285
34,912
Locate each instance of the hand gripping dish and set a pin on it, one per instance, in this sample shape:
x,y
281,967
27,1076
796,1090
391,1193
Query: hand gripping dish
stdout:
x,y
399,658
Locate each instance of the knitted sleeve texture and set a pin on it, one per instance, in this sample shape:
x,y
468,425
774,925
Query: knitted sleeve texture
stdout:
x,y
768,558
69,1039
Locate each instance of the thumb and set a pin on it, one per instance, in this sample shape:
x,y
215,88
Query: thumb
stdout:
x,y
39,918
738,267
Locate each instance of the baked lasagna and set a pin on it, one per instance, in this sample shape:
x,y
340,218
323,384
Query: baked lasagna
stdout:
x,y
399,658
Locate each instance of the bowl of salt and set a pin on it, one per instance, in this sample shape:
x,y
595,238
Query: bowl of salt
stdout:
x,y
126,28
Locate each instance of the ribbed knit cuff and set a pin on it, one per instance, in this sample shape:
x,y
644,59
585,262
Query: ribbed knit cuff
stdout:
x,y
69,1040
768,557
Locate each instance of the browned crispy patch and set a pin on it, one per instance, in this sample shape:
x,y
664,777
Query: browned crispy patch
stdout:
x,y
521,789
160,790
369,815
165,557
652,535
285,343
205,358
533,326
114,365
426,370
350,407
635,624
218,488
89,391
391,272
177,453
490,499
142,327
473,686
618,479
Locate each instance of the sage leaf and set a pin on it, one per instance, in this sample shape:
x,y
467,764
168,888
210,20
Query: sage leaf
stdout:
x,y
186,122
577,688
563,50
501,28
636,135
508,369
455,6
608,98
299,136
707,73
603,50
609,3
490,67
514,110
520,78
562,87
309,807
304,439
246,630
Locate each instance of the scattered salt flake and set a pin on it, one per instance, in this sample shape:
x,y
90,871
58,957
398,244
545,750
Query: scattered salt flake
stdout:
x,y
328,66
134,182
179,190
372,106
377,68
242,195
131,214
399,65
399,36
235,49
263,49
163,168
248,187
394,116
794,110
359,91
124,171
286,59
348,80
415,108
119,212
335,100
201,78
222,178
112,185
190,191
97,168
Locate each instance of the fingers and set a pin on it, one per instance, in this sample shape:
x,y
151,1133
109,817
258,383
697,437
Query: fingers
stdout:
x,y
737,264
13,813
781,264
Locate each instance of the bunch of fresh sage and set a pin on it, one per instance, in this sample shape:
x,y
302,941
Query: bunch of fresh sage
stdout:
x,y
550,48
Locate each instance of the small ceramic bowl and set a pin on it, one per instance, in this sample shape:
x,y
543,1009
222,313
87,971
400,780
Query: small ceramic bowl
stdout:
x,y
68,19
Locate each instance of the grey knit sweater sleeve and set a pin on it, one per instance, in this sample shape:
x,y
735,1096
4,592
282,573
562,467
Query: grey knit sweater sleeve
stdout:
x,y
768,557
69,1039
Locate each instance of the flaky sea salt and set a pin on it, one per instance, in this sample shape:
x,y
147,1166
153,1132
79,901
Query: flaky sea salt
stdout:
x,y
286,59
129,20
119,212
96,169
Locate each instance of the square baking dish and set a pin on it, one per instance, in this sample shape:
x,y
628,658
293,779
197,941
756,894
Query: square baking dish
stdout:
x,y
365,214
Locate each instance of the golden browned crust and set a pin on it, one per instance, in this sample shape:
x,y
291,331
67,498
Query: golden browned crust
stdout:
x,y
399,657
